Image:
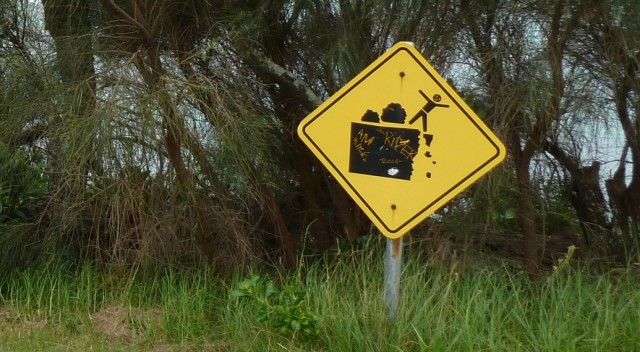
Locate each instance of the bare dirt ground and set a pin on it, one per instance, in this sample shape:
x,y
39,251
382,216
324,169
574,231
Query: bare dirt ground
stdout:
x,y
115,327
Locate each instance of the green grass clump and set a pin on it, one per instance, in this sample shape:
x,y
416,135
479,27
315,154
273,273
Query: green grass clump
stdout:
x,y
58,307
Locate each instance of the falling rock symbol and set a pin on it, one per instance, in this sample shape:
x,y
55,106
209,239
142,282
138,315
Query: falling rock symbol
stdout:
x,y
379,148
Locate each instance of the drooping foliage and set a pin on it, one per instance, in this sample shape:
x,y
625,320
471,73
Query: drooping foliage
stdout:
x,y
153,132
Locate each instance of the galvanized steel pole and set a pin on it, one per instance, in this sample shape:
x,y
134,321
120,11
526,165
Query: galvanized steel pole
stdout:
x,y
392,271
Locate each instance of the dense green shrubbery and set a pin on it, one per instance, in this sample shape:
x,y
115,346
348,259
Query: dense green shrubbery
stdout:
x,y
22,185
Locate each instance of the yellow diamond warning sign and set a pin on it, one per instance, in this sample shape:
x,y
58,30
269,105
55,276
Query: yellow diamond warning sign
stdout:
x,y
400,140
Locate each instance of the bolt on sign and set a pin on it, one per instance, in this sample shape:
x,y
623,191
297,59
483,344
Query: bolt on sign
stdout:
x,y
400,140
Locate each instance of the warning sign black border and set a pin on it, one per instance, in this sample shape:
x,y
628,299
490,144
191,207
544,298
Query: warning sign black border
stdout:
x,y
446,90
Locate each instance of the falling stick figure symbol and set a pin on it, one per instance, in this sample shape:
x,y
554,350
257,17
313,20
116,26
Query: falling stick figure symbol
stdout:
x,y
426,109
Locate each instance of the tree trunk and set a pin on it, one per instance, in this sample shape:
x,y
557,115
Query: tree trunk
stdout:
x,y
590,205
349,213
280,227
526,211
586,197
310,183
625,204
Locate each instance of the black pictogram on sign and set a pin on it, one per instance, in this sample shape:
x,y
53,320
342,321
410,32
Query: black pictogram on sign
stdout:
x,y
430,105
378,148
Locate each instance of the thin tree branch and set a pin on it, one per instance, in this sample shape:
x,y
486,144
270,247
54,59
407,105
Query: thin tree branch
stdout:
x,y
267,67
141,26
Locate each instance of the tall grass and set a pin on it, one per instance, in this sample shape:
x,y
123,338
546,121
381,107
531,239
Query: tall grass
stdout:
x,y
497,309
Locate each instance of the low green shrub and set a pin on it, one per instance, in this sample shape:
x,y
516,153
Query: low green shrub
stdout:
x,y
284,309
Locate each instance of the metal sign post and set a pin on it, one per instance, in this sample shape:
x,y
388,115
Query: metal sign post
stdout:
x,y
392,272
